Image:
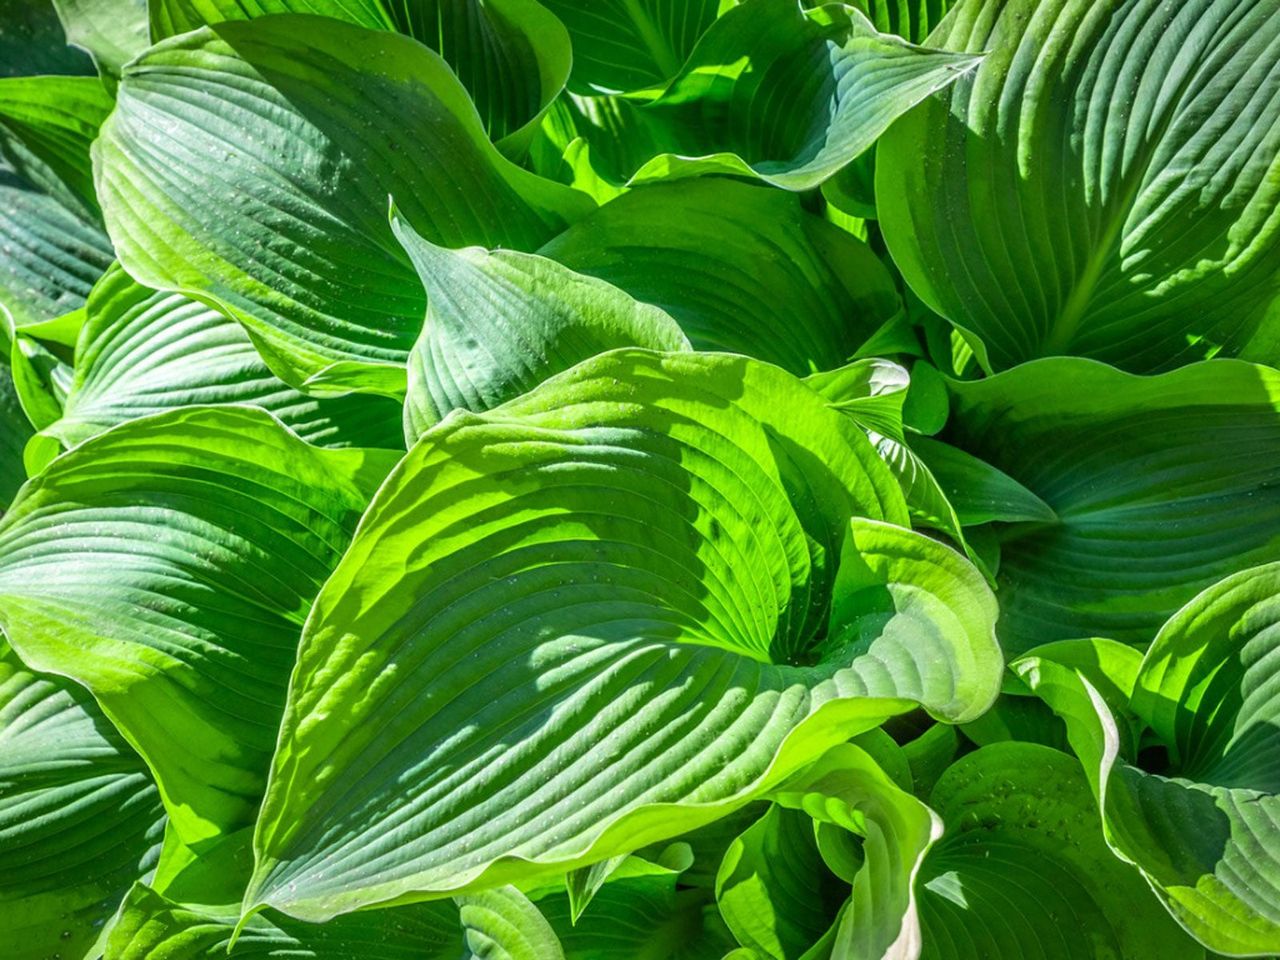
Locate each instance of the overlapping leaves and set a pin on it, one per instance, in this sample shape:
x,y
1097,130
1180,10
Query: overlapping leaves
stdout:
x,y
688,312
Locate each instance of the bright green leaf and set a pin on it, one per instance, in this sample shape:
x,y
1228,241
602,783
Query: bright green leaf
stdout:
x,y
499,323
284,224
167,565
604,602
741,268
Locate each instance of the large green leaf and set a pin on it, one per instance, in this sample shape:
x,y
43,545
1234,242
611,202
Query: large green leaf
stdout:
x,y
80,819
1202,824
499,323
167,565
1161,485
791,95
141,352
249,163
1023,869
622,46
112,31
512,56
46,126
600,615
52,256
741,268
1104,185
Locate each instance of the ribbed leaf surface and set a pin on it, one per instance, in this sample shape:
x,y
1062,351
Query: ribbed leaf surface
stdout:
x,y
167,565
1161,485
596,617
778,283
80,819
1107,184
251,162
141,352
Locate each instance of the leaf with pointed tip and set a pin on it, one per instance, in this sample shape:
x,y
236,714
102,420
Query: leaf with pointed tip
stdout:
x,y
141,352
581,885
726,295
773,890
606,624
113,32
641,917
870,390
499,323
167,565
1023,851
1201,826
623,46
46,126
1119,200
790,95
52,256
846,788
979,492
501,924
1161,485
80,819
285,224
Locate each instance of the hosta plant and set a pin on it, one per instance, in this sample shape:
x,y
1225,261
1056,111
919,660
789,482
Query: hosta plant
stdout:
x,y
639,479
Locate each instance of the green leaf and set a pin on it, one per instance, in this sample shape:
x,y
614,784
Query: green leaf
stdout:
x,y
513,56
773,890
846,788
913,19
791,95
1161,485
80,819
622,46
15,431
581,885
32,42
595,618
871,391
46,126
113,32
641,918
51,258
725,292
141,352
979,492
153,927
1103,185
501,924
167,565
1200,824
1023,869
168,18
285,224
499,323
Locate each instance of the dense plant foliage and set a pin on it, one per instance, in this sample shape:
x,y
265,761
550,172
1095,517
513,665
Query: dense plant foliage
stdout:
x,y
639,479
